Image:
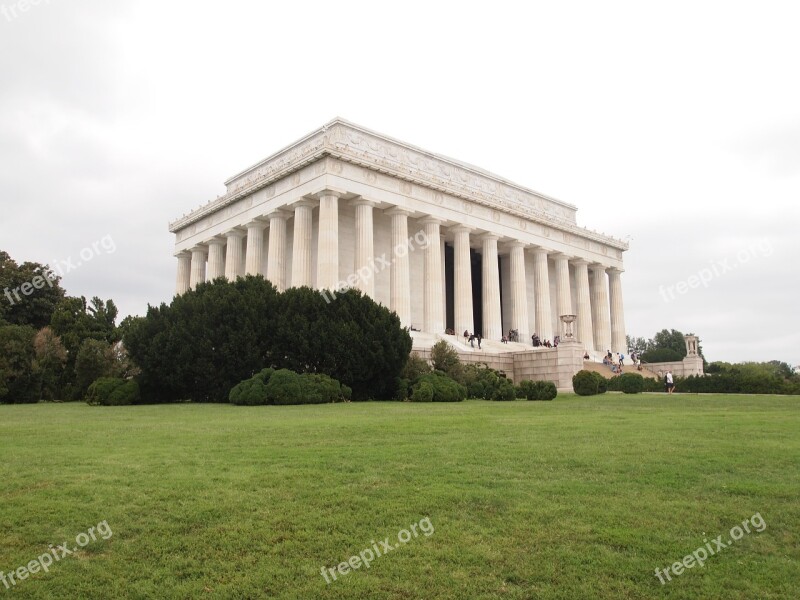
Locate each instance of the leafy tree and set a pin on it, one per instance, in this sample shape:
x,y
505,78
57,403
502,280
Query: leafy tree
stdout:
x,y
444,356
95,359
51,356
213,337
206,341
19,382
44,292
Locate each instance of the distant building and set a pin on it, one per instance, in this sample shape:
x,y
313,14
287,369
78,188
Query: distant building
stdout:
x,y
446,245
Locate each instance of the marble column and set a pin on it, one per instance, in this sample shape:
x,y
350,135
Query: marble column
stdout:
x,y
301,244
276,253
563,292
492,324
216,258
364,253
618,341
233,254
462,281
585,329
255,247
184,272
600,310
519,292
400,285
328,242
198,269
432,296
541,275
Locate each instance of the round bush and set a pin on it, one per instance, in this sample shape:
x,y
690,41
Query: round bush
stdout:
x,y
504,390
444,388
284,387
546,390
631,383
423,392
251,392
584,383
112,391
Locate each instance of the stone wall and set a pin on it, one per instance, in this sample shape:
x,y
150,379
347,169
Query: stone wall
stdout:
x,y
691,365
545,364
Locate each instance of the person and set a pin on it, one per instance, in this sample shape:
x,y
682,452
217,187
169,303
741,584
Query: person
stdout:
x,y
670,383
621,358
610,356
479,338
585,355
466,335
666,382
504,339
471,340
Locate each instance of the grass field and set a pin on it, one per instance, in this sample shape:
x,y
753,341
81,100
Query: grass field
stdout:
x,y
575,498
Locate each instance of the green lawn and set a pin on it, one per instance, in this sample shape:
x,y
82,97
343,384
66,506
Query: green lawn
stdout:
x,y
575,498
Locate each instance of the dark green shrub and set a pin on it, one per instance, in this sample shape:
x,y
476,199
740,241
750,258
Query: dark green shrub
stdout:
x,y
443,387
546,390
416,366
631,383
538,390
602,382
346,393
423,392
584,383
402,387
505,390
113,391
528,389
251,392
284,387
287,387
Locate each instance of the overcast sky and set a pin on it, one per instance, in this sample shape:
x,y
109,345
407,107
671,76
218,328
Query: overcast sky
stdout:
x,y
674,125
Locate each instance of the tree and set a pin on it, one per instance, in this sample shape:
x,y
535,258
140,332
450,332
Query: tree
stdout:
x,y
444,357
19,382
95,359
211,338
29,293
51,356
206,341
75,321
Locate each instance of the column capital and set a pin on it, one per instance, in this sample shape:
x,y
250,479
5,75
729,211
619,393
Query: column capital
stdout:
x,y
279,214
302,202
257,222
461,229
577,261
598,267
236,231
217,239
614,271
361,201
561,256
539,250
488,236
199,248
328,191
183,254
515,244
396,210
431,220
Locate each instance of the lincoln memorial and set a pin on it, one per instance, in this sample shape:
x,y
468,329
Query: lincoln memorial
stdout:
x,y
446,245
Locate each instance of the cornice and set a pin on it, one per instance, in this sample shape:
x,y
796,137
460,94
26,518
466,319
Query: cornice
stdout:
x,y
352,143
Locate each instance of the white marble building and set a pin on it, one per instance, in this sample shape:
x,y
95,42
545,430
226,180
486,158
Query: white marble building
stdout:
x,y
442,243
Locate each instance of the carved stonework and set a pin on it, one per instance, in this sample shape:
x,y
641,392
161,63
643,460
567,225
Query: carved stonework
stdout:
x,y
340,140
